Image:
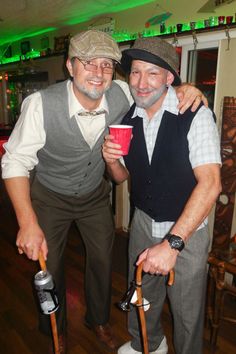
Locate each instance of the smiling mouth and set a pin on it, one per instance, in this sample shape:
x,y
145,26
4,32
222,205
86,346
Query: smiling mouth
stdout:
x,y
95,82
143,93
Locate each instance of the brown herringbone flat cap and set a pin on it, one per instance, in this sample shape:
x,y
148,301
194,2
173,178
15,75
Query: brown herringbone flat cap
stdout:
x,y
153,50
93,44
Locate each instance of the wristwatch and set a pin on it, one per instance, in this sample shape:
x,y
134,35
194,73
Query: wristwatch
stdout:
x,y
176,242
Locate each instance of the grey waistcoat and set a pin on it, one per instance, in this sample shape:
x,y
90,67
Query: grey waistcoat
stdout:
x,y
67,165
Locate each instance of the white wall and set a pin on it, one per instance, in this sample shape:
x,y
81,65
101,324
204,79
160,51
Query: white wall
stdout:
x,y
226,74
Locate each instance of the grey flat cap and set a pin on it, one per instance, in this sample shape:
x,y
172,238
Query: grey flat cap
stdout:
x,y
94,44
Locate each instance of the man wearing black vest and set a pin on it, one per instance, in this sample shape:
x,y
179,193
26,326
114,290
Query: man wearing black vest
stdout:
x,y
174,169
59,135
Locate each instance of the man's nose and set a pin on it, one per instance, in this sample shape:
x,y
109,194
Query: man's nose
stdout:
x,y
99,71
142,82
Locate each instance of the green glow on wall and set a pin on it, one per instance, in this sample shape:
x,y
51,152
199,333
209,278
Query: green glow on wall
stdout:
x,y
32,54
122,36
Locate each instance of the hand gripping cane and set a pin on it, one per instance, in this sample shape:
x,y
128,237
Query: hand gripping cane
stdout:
x,y
52,315
139,303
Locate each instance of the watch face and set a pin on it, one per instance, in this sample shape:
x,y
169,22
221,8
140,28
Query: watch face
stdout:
x,y
176,242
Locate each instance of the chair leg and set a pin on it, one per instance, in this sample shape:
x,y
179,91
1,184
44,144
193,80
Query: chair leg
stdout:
x,y
210,297
218,305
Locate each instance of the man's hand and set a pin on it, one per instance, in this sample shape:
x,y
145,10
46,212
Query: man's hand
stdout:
x,y
111,152
189,95
30,240
158,259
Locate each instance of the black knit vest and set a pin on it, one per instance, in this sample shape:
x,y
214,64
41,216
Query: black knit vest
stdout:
x,y
161,189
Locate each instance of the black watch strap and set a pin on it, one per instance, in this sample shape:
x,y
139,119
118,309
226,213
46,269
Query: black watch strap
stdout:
x,y
176,242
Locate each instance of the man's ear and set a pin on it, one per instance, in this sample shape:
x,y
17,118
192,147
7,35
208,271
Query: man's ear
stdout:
x,y
170,78
69,67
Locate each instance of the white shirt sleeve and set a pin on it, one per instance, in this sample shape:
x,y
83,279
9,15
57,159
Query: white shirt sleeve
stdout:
x,y
125,87
27,138
203,139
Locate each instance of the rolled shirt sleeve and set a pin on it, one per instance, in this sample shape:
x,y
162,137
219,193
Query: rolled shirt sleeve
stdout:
x,y
203,139
26,139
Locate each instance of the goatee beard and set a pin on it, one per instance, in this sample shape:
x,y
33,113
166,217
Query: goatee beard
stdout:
x,y
147,102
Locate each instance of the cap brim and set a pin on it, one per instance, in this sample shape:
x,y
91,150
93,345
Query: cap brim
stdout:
x,y
139,54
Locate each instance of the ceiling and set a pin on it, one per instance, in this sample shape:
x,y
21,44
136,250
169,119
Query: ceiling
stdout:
x,y
26,18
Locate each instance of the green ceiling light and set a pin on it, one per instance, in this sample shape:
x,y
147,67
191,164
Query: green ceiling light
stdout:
x,y
16,38
111,8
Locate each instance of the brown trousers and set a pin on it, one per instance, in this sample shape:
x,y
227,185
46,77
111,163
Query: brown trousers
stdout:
x,y
93,216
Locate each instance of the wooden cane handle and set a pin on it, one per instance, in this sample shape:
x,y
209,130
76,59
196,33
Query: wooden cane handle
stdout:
x,y
171,277
42,262
139,275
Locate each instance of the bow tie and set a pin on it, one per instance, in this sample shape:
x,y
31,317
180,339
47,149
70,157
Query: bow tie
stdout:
x,y
91,113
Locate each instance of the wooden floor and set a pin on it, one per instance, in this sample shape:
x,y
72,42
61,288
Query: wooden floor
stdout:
x,y
18,315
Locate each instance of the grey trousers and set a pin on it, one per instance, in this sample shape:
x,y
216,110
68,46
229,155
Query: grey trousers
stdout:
x,y
93,216
186,296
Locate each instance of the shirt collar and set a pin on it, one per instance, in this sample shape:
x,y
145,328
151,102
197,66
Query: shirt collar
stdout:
x,y
169,104
76,107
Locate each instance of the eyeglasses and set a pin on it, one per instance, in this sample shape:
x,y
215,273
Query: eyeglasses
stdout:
x,y
106,67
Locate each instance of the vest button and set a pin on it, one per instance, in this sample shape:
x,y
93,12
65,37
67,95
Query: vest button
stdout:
x,y
149,181
89,163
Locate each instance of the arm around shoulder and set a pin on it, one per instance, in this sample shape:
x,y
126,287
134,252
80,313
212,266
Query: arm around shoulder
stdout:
x,y
189,96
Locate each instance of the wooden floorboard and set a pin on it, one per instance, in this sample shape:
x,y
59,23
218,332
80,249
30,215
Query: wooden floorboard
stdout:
x,y
18,314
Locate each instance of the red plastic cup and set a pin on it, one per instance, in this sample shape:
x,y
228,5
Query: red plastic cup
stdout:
x,y
3,140
122,136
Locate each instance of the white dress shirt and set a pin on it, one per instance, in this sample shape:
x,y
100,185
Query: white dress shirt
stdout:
x,y
29,136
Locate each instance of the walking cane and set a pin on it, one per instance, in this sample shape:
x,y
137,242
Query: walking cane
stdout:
x,y
52,315
139,303
134,296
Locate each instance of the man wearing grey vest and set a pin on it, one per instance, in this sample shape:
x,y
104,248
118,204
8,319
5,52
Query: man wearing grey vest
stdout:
x,y
59,136
174,169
